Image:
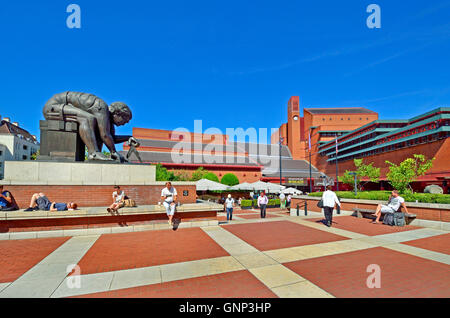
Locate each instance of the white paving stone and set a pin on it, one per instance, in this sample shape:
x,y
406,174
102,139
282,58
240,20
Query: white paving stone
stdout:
x,y
44,278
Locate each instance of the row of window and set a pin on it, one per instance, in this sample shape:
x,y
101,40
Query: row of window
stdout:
x,y
400,145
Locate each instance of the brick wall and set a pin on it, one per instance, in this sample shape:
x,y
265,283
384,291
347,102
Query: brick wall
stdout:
x,y
91,196
423,213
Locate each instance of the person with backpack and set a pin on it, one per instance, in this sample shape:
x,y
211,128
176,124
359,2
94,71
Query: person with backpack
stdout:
x,y
394,204
7,202
329,201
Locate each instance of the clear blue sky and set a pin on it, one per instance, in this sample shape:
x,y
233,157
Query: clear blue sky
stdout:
x,y
230,63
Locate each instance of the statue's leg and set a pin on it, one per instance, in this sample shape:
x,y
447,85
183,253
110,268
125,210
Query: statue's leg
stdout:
x,y
88,128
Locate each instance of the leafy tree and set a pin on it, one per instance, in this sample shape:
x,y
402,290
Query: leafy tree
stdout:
x,y
162,174
400,176
349,179
362,171
35,155
229,179
211,176
198,174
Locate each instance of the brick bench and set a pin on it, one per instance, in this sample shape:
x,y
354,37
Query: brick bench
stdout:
x,y
98,217
361,213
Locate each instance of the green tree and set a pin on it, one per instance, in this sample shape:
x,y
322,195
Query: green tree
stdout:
x,y
400,176
230,179
211,176
349,179
362,171
35,155
162,174
198,174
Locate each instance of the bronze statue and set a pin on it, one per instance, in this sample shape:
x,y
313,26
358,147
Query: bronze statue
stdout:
x,y
96,121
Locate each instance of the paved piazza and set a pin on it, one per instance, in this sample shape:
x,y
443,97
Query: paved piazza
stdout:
x,y
280,256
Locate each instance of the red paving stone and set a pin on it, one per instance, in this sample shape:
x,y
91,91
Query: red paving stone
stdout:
x,y
402,275
258,216
239,284
280,234
17,257
364,226
439,243
112,252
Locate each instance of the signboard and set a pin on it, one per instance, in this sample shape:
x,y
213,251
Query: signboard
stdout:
x,y
297,181
323,182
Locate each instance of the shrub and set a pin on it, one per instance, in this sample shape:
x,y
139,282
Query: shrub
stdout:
x,y
211,176
384,196
246,203
230,179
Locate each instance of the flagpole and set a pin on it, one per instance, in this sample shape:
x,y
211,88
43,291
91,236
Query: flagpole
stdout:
x,y
337,169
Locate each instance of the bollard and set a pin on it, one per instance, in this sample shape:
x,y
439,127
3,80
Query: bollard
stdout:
x,y
306,208
298,210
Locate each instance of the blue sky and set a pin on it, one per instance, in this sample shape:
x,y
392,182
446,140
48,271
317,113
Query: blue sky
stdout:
x,y
229,63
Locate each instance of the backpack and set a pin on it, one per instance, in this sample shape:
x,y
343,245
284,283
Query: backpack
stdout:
x,y
389,219
129,203
399,219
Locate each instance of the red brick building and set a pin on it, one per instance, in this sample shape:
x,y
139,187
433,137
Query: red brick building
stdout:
x,y
360,134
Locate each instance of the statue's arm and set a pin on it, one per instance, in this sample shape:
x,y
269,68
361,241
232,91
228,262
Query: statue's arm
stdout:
x,y
104,127
120,139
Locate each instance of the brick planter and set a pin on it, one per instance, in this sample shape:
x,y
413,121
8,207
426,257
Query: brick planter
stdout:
x,y
424,211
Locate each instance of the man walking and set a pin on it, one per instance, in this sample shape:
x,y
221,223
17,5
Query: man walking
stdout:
x,y
229,203
329,199
282,201
262,204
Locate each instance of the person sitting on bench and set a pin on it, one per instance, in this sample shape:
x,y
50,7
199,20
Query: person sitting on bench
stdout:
x,y
39,202
7,202
394,203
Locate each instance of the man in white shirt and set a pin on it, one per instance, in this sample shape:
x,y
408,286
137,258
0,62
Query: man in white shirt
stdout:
x,y
329,200
282,201
169,197
395,201
289,198
229,203
262,204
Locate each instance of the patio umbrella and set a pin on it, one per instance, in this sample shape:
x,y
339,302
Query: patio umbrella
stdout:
x,y
291,191
208,185
243,186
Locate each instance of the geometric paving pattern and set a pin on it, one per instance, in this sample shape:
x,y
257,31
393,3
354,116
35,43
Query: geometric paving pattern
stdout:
x,y
17,257
364,226
280,234
280,256
112,252
439,243
402,275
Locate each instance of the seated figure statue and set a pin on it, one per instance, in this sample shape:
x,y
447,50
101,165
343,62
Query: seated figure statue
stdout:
x,y
96,121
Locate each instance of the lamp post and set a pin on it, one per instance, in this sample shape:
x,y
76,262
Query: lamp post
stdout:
x,y
281,142
356,188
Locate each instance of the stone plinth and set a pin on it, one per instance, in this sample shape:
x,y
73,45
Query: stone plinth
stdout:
x,y
77,173
60,141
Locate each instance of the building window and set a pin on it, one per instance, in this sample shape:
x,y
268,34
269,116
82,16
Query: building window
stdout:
x,y
24,157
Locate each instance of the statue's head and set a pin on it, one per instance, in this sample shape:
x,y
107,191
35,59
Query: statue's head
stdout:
x,y
120,113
